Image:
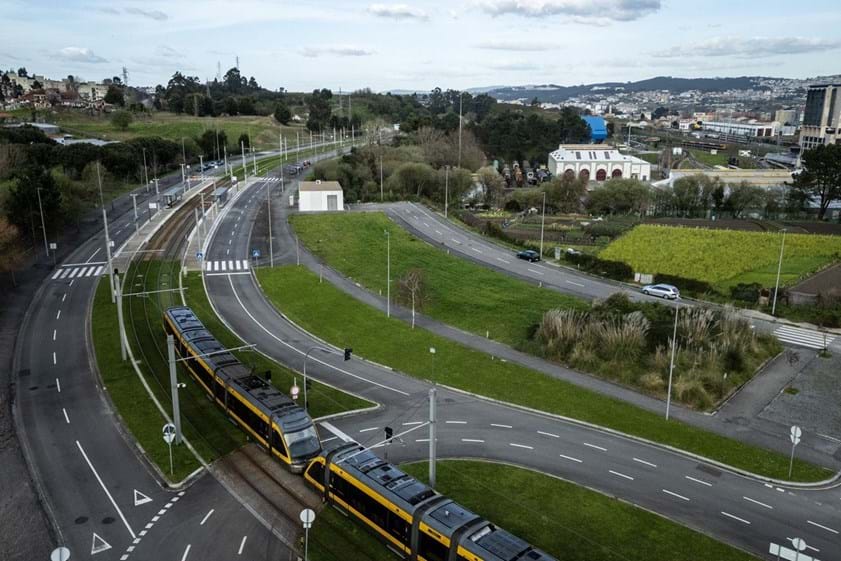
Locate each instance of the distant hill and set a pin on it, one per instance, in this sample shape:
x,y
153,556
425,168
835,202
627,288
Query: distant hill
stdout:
x,y
552,93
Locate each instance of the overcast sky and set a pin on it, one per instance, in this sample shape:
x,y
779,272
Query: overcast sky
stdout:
x,y
301,45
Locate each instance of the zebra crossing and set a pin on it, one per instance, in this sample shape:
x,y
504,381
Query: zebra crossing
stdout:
x,y
226,266
272,179
67,272
803,337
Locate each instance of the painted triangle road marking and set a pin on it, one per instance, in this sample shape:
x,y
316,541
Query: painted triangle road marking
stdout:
x,y
140,498
98,545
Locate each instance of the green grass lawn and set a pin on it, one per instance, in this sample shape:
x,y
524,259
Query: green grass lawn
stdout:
x,y
723,257
345,322
719,159
264,130
458,292
203,423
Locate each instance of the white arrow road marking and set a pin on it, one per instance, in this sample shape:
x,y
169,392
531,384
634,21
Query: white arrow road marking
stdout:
x,y
140,498
98,545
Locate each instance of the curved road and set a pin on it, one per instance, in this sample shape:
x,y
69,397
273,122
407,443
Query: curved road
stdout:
x,y
739,510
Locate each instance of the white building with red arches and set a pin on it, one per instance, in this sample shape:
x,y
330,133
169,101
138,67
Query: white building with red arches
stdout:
x,y
597,162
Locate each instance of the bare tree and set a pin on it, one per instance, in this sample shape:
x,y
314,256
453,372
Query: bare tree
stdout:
x,y
11,248
411,288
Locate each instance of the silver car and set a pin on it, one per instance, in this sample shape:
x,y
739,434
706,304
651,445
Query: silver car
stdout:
x,y
662,290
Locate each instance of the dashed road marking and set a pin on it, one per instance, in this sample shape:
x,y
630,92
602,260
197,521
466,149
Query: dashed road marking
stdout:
x,y
66,418
242,545
548,434
501,426
699,481
620,474
186,552
649,464
535,271
369,429
822,527
574,283
456,422
570,458
58,385
681,497
594,446
734,517
515,445
206,516
476,440
754,501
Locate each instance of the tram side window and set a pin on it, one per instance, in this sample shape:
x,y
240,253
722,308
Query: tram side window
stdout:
x,y
277,443
247,415
398,528
431,549
365,505
316,471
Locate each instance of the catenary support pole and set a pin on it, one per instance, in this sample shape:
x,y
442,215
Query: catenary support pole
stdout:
x,y
173,387
432,444
672,366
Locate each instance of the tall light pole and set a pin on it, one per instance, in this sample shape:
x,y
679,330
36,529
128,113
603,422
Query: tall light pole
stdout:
x,y
460,104
542,224
381,174
779,270
43,224
108,256
388,274
672,366
269,209
432,421
145,170
446,189
244,163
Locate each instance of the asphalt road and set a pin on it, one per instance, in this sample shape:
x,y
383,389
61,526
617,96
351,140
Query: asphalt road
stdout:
x,y
739,510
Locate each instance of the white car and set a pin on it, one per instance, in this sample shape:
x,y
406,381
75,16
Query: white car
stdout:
x,y
662,290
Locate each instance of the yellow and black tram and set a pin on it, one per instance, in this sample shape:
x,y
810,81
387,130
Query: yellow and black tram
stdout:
x,y
269,416
408,515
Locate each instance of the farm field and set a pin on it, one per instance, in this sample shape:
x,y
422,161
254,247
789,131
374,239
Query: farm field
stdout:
x,y
723,258
264,130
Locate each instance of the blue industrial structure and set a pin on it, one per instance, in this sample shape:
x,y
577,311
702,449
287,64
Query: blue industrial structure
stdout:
x,y
598,128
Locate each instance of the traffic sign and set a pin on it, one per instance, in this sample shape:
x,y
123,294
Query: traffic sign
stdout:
x,y
169,428
60,554
307,517
199,255
53,246
799,544
169,437
255,253
795,435
153,206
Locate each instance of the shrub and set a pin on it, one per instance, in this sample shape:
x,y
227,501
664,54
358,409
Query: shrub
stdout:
x,y
746,292
610,269
690,286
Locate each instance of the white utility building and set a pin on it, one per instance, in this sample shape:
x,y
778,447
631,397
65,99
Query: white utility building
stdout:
x,y
597,162
320,196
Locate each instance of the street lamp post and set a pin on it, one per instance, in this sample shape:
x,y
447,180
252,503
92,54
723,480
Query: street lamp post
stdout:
x,y
672,366
388,274
173,384
269,212
779,270
542,224
43,224
432,421
446,189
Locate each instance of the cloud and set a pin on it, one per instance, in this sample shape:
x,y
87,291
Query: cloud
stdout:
x,y
107,10
79,54
750,47
581,11
336,50
397,11
514,66
156,15
518,46
168,52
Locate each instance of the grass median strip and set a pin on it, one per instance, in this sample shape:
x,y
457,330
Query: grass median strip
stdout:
x,y
329,313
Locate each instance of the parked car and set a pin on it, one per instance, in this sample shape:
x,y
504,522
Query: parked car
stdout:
x,y
529,255
662,290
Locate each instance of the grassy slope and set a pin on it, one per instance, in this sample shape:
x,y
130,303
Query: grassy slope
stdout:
x,y
329,313
459,292
264,130
722,257
570,522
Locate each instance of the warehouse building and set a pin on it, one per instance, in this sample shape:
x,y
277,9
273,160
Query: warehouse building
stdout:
x,y
320,196
597,163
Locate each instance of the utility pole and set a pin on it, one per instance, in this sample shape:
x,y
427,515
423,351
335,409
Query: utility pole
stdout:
x,y
198,229
108,255
145,170
779,270
122,329
43,224
672,366
173,387
134,204
432,443
542,224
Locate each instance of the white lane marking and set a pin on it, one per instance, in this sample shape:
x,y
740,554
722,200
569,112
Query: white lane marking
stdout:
x,y
574,283
439,232
681,497
104,488
754,501
702,482
456,422
93,255
206,516
58,315
66,418
548,434
734,517
620,474
644,462
64,297
57,273
826,436
58,385
282,342
65,272
571,458
421,440
329,439
476,250
473,440
515,445
368,429
73,273
594,446
242,545
54,332
186,552
456,241
412,423
822,527
54,361
501,426
336,431
535,272
98,271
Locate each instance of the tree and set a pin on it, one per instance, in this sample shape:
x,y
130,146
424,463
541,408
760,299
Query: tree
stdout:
x,y
211,143
413,178
22,208
244,140
121,120
231,107
319,109
114,96
493,185
22,72
11,248
282,114
565,193
245,106
820,180
620,196
743,197
412,289
36,85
